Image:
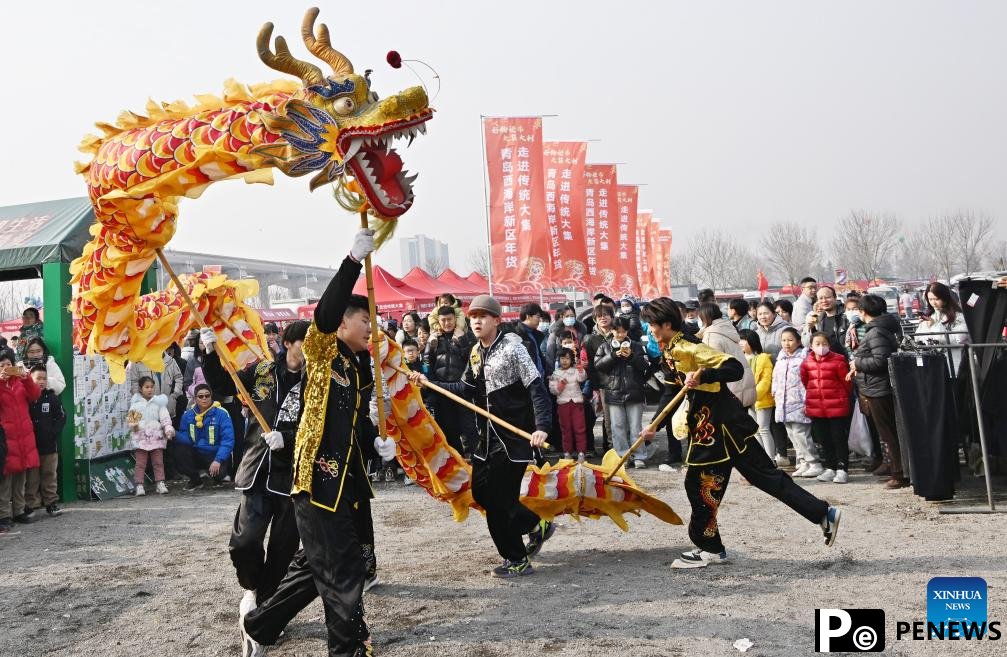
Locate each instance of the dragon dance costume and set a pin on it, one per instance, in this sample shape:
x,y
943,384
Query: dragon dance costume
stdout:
x,y
331,491
722,438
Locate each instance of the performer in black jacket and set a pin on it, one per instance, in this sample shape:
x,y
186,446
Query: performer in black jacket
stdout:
x,y
504,380
330,484
719,433
264,474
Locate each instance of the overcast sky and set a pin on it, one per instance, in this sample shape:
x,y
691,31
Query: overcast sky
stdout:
x,y
734,114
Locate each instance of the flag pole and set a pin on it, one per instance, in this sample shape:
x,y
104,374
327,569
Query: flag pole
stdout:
x,y
376,336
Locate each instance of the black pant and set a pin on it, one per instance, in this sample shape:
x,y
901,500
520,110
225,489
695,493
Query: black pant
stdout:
x,y
705,485
261,569
496,487
832,435
882,411
190,461
446,413
330,565
364,524
780,439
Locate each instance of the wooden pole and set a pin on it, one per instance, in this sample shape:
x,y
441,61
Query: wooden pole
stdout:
x,y
253,347
376,337
216,345
650,427
472,407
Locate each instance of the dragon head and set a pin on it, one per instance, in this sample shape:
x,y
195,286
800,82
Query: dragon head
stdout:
x,y
336,126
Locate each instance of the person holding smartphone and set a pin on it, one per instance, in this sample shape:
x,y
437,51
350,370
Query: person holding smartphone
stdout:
x,y
622,364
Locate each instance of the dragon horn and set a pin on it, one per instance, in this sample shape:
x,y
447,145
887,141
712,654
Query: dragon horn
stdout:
x,y
322,46
283,61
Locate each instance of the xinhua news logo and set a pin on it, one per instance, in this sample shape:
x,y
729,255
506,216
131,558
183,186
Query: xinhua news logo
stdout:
x,y
957,602
849,630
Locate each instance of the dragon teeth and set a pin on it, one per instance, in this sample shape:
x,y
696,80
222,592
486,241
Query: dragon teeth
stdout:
x,y
422,128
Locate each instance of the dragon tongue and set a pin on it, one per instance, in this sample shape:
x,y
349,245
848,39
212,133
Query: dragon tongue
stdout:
x,y
384,165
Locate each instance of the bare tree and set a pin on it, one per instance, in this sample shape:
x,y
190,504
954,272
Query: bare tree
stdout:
x,y
970,233
742,269
865,241
998,256
683,268
479,261
792,250
915,259
434,265
716,260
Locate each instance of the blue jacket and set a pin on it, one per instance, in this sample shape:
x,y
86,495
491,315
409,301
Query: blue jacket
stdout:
x,y
216,434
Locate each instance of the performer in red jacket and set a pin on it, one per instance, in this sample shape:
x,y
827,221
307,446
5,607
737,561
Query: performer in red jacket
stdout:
x,y
17,390
827,403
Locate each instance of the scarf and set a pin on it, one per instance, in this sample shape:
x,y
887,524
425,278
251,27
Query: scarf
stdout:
x,y
199,416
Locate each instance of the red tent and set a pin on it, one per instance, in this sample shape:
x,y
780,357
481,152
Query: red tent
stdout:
x,y
421,280
458,286
477,281
392,296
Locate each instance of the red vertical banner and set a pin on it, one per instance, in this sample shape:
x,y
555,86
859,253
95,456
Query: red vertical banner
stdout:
x,y
665,283
601,225
643,254
654,261
626,280
520,255
563,163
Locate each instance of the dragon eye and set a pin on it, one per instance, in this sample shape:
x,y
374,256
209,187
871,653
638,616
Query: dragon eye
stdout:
x,y
344,106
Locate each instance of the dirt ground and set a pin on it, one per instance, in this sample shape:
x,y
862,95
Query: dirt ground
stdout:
x,y
151,576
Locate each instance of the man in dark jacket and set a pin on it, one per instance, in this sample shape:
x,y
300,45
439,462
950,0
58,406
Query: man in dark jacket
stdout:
x,y
330,486
830,320
603,316
504,380
264,474
535,341
721,434
48,416
622,363
444,359
870,367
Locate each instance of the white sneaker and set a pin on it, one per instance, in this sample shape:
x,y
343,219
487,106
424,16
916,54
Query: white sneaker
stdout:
x,y
140,492
782,461
699,559
580,457
841,477
246,605
802,467
161,489
814,469
639,464
827,475
408,481
249,646
664,467
566,455
371,582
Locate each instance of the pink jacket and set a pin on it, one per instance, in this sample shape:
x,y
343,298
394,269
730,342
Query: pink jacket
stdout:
x,y
571,392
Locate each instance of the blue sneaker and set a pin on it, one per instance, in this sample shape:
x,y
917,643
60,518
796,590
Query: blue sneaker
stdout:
x,y
830,525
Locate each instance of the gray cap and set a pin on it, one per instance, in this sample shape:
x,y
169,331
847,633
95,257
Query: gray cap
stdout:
x,y
486,303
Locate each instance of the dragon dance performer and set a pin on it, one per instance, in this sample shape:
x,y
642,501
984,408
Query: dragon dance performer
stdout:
x,y
330,487
504,380
265,472
720,431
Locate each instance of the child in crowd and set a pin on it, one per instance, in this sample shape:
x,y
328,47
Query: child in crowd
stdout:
x,y
762,368
150,422
17,391
827,403
48,417
411,354
622,364
789,394
565,382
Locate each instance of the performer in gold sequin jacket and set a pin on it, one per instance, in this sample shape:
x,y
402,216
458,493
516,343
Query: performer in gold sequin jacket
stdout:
x,y
331,491
720,440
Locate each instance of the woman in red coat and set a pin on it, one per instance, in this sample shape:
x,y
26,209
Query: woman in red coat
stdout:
x,y
827,403
17,390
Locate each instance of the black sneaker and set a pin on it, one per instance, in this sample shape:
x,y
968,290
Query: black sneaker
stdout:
x,y
192,485
539,536
390,474
513,569
830,525
25,518
53,509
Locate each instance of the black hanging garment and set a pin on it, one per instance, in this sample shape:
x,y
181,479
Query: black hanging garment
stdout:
x,y
985,310
925,416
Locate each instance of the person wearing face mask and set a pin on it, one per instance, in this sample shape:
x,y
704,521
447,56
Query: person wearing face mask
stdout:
x,y
827,404
828,320
603,317
692,316
629,309
565,327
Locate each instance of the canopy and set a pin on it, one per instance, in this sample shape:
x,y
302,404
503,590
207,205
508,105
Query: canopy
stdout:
x,y
276,314
478,281
451,282
391,295
34,234
421,280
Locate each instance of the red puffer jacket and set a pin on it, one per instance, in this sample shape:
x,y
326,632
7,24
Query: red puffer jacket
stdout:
x,y
828,391
15,395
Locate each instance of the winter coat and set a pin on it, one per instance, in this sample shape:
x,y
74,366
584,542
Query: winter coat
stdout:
x,y
149,422
835,327
53,375
621,378
827,392
534,341
770,337
48,417
170,378
942,331
762,369
15,396
557,331
788,391
871,358
445,357
722,336
802,306
215,436
571,392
